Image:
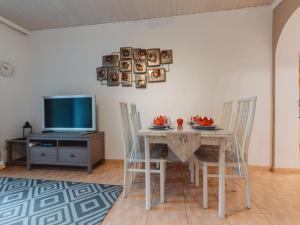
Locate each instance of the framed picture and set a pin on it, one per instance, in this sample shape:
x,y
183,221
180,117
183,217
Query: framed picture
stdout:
x,y
126,78
126,53
110,61
140,81
113,77
139,54
140,67
153,57
101,73
125,65
157,75
166,57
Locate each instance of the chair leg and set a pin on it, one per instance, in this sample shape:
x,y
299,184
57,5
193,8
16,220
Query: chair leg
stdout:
x,y
162,181
247,190
192,172
125,180
190,165
197,168
205,191
233,180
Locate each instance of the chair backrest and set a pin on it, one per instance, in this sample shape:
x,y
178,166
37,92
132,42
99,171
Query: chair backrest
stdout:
x,y
135,118
243,127
136,126
226,115
126,130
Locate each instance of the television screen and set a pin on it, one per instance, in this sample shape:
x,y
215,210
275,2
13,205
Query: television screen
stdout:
x,y
69,113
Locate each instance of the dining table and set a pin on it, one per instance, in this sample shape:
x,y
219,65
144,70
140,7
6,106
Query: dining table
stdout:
x,y
184,141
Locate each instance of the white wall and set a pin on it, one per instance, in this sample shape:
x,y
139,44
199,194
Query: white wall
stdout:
x,y
217,57
287,94
14,91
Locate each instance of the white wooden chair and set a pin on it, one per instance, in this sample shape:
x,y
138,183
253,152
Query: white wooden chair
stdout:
x,y
237,155
133,154
225,123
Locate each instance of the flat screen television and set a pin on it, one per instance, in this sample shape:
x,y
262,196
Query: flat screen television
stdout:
x,y
69,113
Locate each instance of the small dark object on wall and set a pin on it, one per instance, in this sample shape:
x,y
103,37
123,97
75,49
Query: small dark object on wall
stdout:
x,y
27,129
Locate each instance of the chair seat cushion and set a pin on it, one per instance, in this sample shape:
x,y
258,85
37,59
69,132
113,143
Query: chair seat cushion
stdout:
x,y
210,154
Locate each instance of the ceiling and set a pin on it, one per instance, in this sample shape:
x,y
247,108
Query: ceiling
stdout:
x,y
45,14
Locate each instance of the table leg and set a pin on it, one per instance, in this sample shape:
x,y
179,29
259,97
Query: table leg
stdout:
x,y
222,178
148,174
9,153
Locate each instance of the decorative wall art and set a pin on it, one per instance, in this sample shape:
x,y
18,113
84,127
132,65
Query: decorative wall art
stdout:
x,y
101,73
113,77
126,78
157,75
125,65
140,67
134,65
166,57
110,61
139,54
126,53
153,57
141,81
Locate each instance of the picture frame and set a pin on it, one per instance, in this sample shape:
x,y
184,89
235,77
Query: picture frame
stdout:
x,y
125,65
126,53
140,67
113,77
139,54
156,75
153,57
166,57
140,81
110,61
101,73
126,78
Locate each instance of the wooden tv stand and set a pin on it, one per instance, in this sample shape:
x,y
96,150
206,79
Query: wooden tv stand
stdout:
x,y
68,149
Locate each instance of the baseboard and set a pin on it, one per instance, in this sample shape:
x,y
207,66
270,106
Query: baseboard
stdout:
x,y
287,170
2,165
275,170
114,160
259,168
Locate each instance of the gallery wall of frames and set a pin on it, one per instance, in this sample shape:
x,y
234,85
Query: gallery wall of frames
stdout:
x,y
135,65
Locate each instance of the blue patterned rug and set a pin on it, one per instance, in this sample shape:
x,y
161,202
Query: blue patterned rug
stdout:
x,y
47,202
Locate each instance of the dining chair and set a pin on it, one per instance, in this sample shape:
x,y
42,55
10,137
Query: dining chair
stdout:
x,y
237,153
225,123
133,154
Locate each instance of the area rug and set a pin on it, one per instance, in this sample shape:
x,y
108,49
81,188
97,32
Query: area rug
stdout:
x,y
48,202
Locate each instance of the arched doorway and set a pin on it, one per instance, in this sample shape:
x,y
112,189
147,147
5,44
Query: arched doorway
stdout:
x,y
287,95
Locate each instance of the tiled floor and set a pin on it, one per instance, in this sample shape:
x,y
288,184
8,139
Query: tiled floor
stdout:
x,y
275,197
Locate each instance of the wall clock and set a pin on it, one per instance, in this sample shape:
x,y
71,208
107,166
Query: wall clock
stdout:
x,y
6,69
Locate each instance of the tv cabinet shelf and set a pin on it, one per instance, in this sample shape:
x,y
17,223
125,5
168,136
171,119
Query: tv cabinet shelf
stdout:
x,y
68,149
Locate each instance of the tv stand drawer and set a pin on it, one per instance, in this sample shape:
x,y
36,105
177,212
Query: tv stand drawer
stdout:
x,y
43,154
79,155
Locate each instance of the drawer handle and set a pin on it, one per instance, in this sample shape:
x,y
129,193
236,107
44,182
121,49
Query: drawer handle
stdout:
x,y
43,154
72,156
